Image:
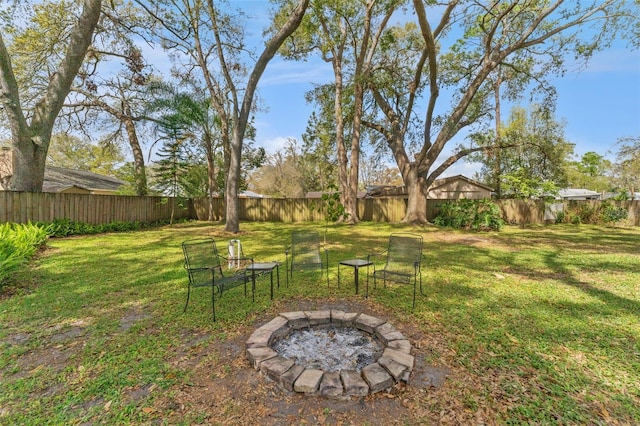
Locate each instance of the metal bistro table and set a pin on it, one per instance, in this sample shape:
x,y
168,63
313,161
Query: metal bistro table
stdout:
x,y
356,264
263,268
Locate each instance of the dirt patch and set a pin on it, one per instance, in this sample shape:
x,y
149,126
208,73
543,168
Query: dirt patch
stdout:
x,y
58,348
222,387
132,317
225,389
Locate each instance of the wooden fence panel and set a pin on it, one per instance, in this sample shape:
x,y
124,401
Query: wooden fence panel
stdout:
x,y
633,209
521,212
22,207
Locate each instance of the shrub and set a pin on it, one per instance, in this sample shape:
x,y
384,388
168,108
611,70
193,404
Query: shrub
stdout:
x,y
331,206
66,227
610,213
603,213
479,215
18,243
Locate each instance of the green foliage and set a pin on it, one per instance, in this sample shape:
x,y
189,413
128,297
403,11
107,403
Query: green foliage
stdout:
x,y
478,215
627,166
71,152
592,172
621,196
530,157
522,186
331,206
65,227
605,212
18,243
611,213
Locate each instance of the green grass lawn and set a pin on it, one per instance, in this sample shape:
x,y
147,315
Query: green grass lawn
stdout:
x,y
537,325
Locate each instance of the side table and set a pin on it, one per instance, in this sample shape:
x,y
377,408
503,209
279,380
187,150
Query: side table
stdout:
x,y
264,267
356,264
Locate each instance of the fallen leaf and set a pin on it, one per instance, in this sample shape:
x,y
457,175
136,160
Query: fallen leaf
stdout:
x,y
605,414
512,338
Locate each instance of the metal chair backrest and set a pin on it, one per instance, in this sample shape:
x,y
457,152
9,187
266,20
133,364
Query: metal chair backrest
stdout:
x,y
404,253
202,254
305,248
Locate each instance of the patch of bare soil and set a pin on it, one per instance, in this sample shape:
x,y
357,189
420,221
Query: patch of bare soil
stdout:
x,y
225,389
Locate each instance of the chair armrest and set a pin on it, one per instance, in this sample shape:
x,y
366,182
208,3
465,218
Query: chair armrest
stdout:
x,y
372,255
197,269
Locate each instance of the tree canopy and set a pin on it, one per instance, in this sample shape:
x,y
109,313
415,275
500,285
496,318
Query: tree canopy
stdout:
x,y
32,104
410,78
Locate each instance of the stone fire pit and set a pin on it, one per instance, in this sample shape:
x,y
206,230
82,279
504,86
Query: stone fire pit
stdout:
x,y
388,362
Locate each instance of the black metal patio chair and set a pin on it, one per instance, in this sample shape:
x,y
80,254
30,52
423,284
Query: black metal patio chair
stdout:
x,y
305,253
403,257
204,265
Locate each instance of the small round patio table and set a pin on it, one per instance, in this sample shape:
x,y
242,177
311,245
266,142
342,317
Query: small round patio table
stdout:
x,y
356,264
263,268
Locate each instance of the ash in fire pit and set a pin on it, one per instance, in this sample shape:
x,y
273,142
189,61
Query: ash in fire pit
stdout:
x,y
330,348
331,353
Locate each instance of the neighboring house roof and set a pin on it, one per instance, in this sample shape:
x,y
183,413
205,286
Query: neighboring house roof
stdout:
x,y
386,191
319,194
250,194
609,195
444,181
58,179
390,190
578,194
60,188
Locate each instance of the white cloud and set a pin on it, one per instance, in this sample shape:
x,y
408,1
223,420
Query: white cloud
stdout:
x,y
463,168
271,145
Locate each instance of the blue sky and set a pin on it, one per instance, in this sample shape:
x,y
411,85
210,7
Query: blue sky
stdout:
x,y
599,104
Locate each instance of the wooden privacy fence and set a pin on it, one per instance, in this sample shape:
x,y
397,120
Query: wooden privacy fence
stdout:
x,y
383,210
300,209
22,207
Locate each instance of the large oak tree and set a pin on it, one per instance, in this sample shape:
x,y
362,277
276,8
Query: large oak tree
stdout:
x,y
464,45
31,120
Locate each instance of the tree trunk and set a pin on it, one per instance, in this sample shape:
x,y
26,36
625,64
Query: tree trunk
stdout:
x,y
417,202
341,154
351,198
232,223
240,123
211,173
28,162
139,171
497,173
